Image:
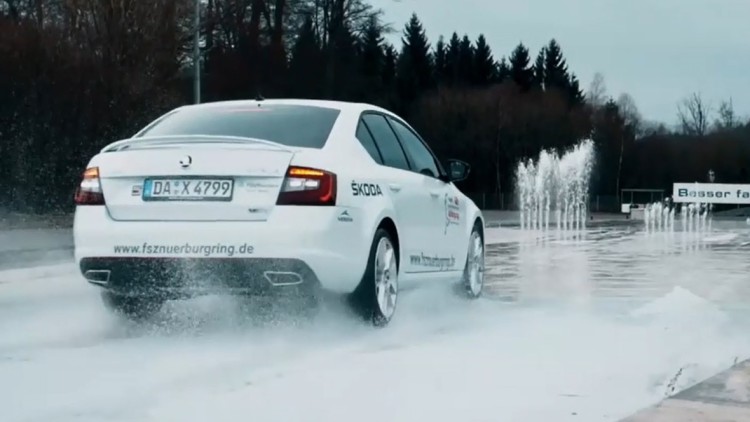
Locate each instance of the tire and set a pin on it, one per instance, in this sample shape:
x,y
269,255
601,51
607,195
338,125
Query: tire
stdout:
x,y
377,294
134,308
473,277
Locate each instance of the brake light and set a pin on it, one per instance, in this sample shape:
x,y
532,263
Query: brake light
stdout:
x,y
308,186
89,192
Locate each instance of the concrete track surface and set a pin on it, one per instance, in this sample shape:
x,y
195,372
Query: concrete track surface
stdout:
x,y
595,325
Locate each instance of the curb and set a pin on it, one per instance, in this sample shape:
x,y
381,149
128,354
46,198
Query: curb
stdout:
x,y
725,397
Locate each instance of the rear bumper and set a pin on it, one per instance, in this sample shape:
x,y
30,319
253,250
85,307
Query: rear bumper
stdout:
x,y
179,277
141,256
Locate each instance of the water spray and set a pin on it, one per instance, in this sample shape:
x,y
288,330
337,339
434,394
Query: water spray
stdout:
x,y
555,186
694,217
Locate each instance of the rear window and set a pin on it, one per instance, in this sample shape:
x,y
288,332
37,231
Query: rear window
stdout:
x,y
291,125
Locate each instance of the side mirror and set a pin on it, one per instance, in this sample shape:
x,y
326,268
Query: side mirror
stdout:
x,y
458,170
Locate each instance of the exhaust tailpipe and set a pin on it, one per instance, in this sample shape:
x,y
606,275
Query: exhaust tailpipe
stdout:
x,y
282,278
100,277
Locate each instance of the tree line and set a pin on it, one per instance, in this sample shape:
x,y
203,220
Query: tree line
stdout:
x,y
78,74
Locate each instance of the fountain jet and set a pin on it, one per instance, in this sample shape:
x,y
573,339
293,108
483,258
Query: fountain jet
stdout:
x,y
555,185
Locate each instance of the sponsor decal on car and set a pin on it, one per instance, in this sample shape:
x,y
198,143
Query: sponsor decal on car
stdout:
x,y
259,186
452,211
366,189
441,263
187,249
344,216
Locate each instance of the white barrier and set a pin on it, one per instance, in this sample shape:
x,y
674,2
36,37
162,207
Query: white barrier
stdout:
x,y
638,213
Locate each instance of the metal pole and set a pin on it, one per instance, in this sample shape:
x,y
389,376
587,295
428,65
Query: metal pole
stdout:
x,y
196,53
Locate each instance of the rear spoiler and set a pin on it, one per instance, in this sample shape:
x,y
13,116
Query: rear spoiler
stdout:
x,y
156,141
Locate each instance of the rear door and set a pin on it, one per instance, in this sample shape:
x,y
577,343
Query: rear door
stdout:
x,y
441,215
406,187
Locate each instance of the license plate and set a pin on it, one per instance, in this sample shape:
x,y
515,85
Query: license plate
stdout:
x,y
183,189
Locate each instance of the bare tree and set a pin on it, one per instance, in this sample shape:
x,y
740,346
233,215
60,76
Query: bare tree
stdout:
x,y
654,128
629,112
597,92
693,114
331,16
631,118
727,118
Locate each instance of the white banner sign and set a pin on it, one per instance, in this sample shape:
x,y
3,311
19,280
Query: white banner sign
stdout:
x,y
711,193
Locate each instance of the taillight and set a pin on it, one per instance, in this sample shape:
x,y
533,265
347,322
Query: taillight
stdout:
x,y
307,186
90,190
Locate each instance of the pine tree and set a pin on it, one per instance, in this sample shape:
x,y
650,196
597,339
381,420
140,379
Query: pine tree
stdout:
x,y
575,93
452,59
388,97
465,61
341,54
520,72
539,70
345,61
306,63
389,65
555,68
371,59
439,57
484,63
503,70
414,71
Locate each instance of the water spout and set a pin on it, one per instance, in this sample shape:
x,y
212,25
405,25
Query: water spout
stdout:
x,y
555,185
694,217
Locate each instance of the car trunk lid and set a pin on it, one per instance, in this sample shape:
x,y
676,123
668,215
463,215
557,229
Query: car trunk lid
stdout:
x,y
192,179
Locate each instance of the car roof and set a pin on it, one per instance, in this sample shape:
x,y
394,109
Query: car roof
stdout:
x,y
339,105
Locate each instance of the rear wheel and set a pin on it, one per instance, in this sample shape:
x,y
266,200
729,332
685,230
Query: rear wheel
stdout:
x,y
376,297
473,277
136,308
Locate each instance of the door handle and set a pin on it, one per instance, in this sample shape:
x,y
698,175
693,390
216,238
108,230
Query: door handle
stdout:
x,y
435,193
394,187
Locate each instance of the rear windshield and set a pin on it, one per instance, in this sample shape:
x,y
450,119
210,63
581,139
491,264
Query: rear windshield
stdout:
x,y
291,125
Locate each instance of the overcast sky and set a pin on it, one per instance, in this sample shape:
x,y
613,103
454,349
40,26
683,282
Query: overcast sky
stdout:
x,y
658,51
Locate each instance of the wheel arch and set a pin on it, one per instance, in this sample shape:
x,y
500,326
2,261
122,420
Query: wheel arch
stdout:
x,y
386,222
475,217
479,221
386,218
389,226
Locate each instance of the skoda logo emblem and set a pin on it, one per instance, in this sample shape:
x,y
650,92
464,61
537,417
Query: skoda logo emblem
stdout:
x,y
186,161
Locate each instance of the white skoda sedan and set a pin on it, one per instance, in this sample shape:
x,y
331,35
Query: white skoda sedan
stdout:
x,y
269,196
